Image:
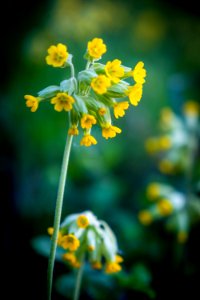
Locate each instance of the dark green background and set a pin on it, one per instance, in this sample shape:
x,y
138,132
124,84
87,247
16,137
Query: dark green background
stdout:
x,y
109,178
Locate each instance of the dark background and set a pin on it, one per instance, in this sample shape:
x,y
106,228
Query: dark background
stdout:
x,y
32,144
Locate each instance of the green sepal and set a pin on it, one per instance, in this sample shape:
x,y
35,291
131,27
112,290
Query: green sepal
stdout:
x,y
87,75
68,85
79,105
99,68
49,91
118,90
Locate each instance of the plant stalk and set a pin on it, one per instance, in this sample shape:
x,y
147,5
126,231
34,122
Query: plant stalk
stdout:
x,y
58,211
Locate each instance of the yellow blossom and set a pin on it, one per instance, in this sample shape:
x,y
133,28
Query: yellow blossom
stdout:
x,y
96,265
88,140
50,231
32,102
100,84
145,217
152,145
110,131
139,73
191,108
73,130
112,267
69,257
135,93
57,55
114,70
119,108
102,111
165,207
70,242
87,121
118,258
96,48
164,142
166,115
91,248
62,101
82,221
166,166
153,191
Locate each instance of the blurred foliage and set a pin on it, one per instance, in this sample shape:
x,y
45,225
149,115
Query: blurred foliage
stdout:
x,y
110,178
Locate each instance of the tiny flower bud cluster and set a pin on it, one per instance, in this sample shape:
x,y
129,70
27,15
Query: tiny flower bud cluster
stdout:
x,y
97,93
83,236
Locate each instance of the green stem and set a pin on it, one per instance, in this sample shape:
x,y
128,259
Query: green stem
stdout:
x,y
58,211
78,281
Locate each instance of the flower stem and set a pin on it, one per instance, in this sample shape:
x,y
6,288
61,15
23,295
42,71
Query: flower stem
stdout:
x,y
58,211
78,281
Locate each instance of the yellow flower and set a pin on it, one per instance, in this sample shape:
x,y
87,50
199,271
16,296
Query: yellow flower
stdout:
x,y
96,48
153,191
32,102
166,115
135,93
152,145
88,140
70,242
82,221
164,142
114,70
102,111
69,257
87,121
96,265
110,131
50,231
112,267
119,108
139,73
62,101
191,108
145,217
57,55
165,207
166,166
118,259
73,130
100,84
182,237
90,248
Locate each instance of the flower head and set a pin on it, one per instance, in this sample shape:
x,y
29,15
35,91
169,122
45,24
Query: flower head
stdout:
x,y
135,93
32,102
191,108
73,130
145,217
88,140
110,131
57,55
96,48
100,84
112,267
139,73
165,207
62,101
70,242
119,108
114,70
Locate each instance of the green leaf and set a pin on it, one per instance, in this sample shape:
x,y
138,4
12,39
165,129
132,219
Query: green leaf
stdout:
x,y
49,91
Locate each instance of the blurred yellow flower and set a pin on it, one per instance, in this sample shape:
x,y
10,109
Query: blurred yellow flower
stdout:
x,y
135,93
112,267
165,207
114,70
191,108
70,242
153,190
100,84
109,131
87,121
73,130
57,55
62,101
82,221
139,73
145,217
88,140
119,108
32,102
96,48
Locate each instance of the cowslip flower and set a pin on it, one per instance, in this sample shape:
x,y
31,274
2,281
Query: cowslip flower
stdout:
x,y
139,73
57,55
90,97
62,101
114,70
32,102
96,48
100,84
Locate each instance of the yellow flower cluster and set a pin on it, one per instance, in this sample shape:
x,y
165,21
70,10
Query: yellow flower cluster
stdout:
x,y
93,96
84,236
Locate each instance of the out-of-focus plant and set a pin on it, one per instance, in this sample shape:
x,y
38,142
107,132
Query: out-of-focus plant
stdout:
x,y
175,150
94,96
